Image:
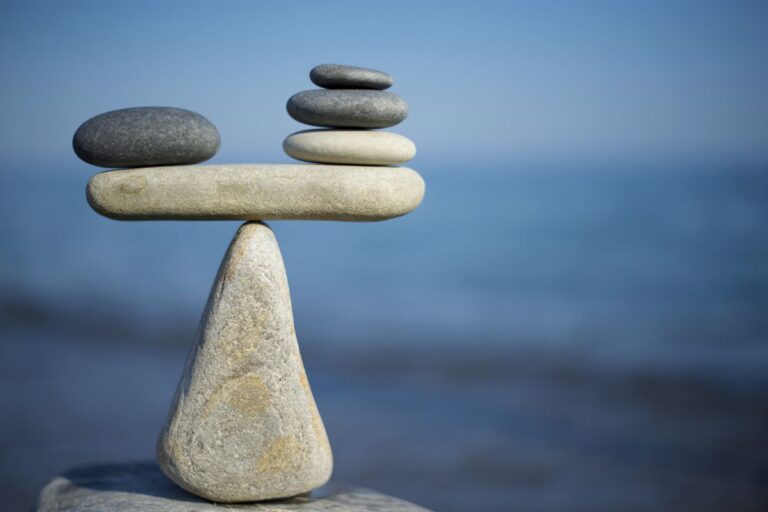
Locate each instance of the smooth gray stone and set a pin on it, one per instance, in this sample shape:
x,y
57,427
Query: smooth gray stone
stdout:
x,y
135,487
338,76
256,192
347,108
143,136
244,425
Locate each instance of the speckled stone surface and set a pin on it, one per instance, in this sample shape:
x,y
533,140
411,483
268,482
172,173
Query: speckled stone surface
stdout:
x,y
337,76
244,425
141,487
347,108
142,136
361,147
256,192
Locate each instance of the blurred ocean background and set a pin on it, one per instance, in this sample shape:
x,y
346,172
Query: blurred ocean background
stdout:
x,y
575,319
529,339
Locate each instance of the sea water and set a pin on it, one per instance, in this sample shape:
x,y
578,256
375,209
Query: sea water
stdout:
x,y
532,337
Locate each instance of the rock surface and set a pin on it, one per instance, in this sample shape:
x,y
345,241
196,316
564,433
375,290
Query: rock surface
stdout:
x,y
362,147
244,425
142,487
142,136
256,192
337,76
347,108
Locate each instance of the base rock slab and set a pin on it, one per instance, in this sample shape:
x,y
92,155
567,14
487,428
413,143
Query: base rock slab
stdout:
x,y
142,487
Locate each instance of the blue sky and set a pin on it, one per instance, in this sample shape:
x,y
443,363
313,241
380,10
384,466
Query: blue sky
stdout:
x,y
486,81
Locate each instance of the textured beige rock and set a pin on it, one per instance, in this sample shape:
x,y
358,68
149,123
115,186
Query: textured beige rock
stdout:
x,y
362,147
256,192
244,425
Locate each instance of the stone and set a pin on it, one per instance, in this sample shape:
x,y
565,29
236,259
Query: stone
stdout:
x,y
337,76
142,136
362,147
347,108
256,192
141,487
244,425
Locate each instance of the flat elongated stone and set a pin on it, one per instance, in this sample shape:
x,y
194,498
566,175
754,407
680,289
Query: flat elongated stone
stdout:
x,y
347,108
142,136
337,76
244,425
361,147
141,487
256,192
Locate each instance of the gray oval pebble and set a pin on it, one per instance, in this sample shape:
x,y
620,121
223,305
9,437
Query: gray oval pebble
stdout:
x,y
347,108
146,136
337,76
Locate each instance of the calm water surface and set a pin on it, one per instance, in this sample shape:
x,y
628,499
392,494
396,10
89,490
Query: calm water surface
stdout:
x,y
529,339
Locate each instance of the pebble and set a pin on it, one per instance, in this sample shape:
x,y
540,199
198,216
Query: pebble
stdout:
x,y
347,108
140,486
244,425
337,76
256,192
360,147
142,136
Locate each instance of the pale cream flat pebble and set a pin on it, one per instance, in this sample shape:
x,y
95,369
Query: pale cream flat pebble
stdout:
x,y
361,147
244,425
256,192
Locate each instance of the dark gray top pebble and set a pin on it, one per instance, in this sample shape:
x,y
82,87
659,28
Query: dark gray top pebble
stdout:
x,y
146,136
347,108
337,76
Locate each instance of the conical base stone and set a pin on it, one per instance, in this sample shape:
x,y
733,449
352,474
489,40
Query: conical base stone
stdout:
x,y
244,425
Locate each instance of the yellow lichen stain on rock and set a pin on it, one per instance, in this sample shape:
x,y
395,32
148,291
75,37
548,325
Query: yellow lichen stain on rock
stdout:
x,y
319,429
316,420
305,383
248,395
281,454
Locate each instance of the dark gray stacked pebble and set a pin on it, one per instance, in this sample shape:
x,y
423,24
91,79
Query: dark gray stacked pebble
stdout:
x,y
351,98
146,136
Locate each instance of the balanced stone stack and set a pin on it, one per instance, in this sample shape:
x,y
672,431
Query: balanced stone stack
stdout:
x,y
244,426
353,102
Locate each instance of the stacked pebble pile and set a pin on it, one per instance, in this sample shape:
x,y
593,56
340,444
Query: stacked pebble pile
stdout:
x,y
244,425
352,103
